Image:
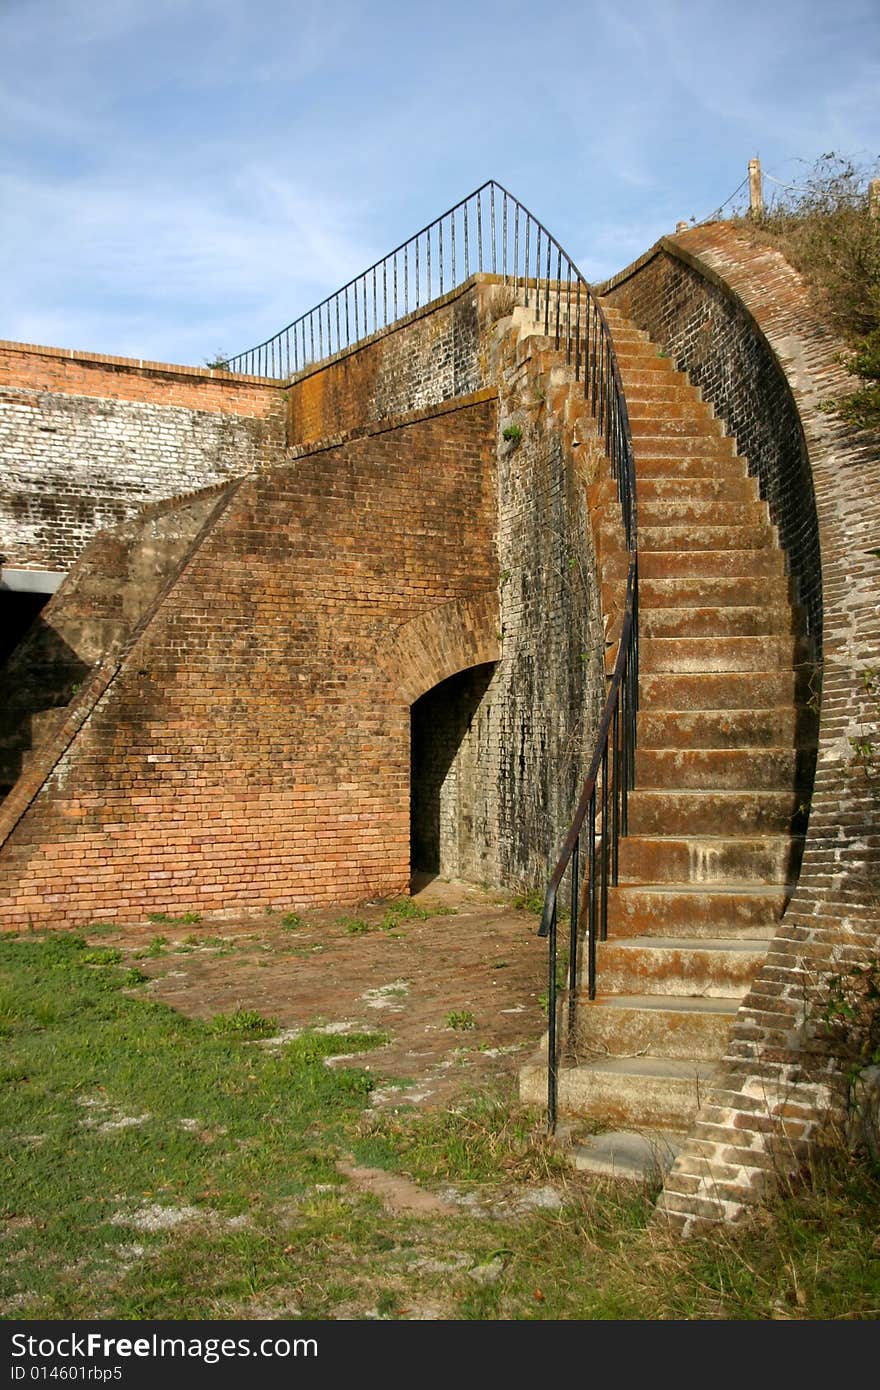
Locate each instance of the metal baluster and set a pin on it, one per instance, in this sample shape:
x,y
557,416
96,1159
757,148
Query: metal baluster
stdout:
x,y
504,238
428,300
615,791
573,939
364,286
395,288
452,239
538,273
492,211
603,916
406,278
577,334
547,294
312,332
375,304
347,323
440,251
467,264
480,228
558,292
552,1063
338,331
385,293
591,900
528,228
515,247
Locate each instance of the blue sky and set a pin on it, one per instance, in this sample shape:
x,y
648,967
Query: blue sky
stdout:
x,y
183,177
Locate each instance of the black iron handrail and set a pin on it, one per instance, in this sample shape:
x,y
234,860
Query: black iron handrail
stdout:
x,y
492,231
489,231
604,799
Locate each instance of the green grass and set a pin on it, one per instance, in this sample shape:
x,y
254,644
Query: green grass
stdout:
x,y
160,1167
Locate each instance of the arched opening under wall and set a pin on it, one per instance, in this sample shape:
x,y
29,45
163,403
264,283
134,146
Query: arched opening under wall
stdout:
x,y
453,771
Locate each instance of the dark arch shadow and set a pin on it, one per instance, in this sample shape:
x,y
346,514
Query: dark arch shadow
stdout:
x,y
440,813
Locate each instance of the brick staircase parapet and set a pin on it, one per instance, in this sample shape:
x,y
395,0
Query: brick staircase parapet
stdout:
x,y
780,1089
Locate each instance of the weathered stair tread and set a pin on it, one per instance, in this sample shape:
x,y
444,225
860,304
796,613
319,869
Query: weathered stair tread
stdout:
x,y
628,1154
724,748
713,1004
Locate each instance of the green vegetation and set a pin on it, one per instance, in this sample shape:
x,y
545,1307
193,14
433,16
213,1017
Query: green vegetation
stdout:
x,y
512,433
825,229
461,1019
160,1167
185,920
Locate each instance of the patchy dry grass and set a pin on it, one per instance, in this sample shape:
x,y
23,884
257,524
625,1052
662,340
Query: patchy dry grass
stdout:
x,y
162,1167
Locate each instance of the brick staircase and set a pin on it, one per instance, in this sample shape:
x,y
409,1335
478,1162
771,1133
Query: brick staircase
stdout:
x,y
725,745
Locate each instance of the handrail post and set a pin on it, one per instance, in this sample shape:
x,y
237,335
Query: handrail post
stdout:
x,y
552,1060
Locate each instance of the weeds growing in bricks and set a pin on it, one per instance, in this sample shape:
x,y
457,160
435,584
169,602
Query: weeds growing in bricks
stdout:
x,y
825,229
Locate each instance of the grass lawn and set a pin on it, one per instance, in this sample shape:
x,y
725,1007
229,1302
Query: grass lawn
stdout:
x,y
159,1167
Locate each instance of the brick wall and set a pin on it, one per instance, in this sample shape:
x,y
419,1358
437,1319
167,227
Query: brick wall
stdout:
x,y
431,356
782,1082
251,748
265,758
114,582
709,334
87,441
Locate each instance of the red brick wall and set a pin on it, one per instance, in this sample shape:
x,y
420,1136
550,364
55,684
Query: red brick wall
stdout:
x,y
252,748
25,366
427,358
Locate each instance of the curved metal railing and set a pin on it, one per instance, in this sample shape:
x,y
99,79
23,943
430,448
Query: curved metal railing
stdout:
x,y
491,231
488,231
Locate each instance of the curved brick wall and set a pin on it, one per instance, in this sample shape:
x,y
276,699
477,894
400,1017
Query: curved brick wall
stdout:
x,y
712,296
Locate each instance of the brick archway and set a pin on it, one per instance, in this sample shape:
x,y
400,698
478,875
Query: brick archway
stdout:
x,y
438,644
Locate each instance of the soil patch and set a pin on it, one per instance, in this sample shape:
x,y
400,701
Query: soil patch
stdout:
x,y
458,993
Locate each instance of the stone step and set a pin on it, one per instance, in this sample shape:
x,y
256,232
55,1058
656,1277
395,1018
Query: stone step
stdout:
x,y
698,656
716,590
698,537
720,967
627,1155
676,812
677,512
705,859
658,390
646,1091
724,769
632,1025
691,691
697,910
653,447
780,727
635,354
726,621
729,488
659,370
730,564
673,422
714,462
